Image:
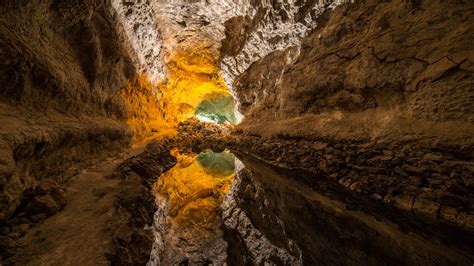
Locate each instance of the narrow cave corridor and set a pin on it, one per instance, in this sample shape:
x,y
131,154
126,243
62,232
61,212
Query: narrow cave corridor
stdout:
x,y
236,132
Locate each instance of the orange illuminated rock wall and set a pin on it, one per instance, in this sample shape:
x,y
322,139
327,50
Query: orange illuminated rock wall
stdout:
x,y
193,75
145,108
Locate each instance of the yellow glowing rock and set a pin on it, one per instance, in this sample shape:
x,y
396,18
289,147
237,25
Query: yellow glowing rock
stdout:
x,y
144,108
193,75
193,195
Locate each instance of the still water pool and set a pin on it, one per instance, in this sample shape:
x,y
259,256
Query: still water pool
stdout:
x,y
215,209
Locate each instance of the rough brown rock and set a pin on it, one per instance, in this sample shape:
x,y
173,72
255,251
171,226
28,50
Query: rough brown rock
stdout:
x,y
63,66
272,215
371,54
135,206
391,78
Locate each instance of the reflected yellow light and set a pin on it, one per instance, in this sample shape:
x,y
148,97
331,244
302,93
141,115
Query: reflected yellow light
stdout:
x,y
193,195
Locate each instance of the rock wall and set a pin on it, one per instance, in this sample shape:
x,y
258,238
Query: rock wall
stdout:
x,y
70,84
290,218
62,56
371,54
249,30
377,86
261,27
136,21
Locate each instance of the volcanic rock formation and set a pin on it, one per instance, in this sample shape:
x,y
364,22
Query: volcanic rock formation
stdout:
x,y
385,106
373,98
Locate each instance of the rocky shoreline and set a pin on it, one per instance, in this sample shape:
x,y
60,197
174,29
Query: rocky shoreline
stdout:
x,y
135,205
434,182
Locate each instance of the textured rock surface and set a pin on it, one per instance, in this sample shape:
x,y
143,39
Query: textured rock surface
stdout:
x,y
249,30
191,32
367,55
135,206
379,98
62,56
289,218
374,96
136,21
261,27
64,64
408,175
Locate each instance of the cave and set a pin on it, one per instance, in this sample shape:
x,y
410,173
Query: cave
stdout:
x,y
236,132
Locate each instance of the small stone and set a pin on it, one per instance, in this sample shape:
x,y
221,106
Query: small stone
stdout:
x,y
388,198
401,172
386,158
42,204
345,182
38,217
404,201
334,176
376,196
323,166
449,214
426,207
357,186
319,146
413,169
433,157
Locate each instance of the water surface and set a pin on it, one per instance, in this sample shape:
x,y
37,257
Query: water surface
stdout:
x,y
216,209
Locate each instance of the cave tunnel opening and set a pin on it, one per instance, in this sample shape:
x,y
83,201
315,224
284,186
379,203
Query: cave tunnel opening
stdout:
x,y
216,108
195,87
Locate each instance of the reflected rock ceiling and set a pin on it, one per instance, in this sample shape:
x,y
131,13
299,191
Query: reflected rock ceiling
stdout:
x,y
373,96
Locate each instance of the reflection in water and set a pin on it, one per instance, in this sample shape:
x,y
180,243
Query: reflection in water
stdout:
x,y
272,216
188,220
266,216
217,164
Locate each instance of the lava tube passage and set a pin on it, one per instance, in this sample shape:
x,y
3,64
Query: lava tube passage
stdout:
x,y
194,87
217,108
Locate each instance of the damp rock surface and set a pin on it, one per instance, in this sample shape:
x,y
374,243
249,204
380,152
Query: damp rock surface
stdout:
x,y
363,111
285,217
